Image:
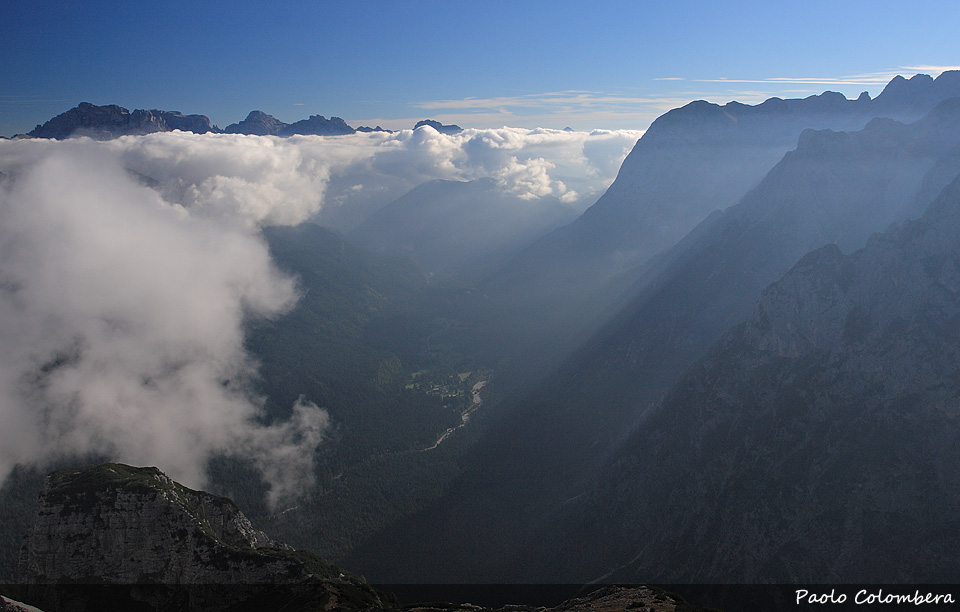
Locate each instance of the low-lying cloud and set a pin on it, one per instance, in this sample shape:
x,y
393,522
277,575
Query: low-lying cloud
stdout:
x,y
129,269
121,325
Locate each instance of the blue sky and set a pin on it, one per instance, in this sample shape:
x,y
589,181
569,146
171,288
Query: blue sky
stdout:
x,y
479,64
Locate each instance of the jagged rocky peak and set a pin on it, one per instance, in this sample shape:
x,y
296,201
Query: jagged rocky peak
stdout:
x,y
919,91
368,129
318,125
111,120
121,525
257,123
443,129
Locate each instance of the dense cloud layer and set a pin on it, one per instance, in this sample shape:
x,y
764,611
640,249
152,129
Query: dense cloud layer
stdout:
x,y
128,269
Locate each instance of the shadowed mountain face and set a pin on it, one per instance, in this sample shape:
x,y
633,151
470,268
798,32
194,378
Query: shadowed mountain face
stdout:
x,y
815,442
466,227
835,188
691,161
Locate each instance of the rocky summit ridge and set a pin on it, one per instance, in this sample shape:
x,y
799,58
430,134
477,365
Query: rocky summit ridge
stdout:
x,y
260,123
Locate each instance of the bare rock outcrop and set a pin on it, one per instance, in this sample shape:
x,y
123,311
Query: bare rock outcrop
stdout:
x,y
123,526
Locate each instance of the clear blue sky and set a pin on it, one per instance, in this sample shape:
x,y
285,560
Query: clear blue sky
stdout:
x,y
477,63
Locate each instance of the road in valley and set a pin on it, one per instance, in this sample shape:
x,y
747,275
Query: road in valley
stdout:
x,y
464,417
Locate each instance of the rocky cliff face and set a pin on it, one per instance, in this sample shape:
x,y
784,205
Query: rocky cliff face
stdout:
x,y
818,440
111,121
692,161
115,524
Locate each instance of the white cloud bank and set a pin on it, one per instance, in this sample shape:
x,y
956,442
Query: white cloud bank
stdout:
x,y
128,269
121,326
368,171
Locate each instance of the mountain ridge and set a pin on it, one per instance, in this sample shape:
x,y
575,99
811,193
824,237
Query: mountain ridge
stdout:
x,y
691,161
111,121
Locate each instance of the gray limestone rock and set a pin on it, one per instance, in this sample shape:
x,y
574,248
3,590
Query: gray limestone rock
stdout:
x,y
123,526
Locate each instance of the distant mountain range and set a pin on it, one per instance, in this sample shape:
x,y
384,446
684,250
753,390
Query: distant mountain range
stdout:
x,y
111,121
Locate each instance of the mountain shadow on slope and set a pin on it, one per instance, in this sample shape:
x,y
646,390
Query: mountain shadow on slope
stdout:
x,y
836,187
691,161
815,442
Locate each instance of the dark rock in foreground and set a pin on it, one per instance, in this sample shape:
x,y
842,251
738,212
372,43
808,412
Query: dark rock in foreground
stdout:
x,y
169,545
605,599
115,537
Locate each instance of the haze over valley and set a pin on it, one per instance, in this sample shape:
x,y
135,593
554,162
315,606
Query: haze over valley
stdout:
x,y
691,329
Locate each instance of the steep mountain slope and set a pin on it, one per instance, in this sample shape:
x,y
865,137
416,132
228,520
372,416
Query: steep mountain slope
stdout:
x,y
704,157
835,188
692,160
467,227
817,441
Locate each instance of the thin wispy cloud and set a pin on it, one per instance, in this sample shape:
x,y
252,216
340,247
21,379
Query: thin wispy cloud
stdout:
x,y
870,78
614,109
931,70
582,109
561,98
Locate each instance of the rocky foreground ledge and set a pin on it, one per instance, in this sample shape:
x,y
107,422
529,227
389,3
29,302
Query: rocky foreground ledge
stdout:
x,y
606,599
114,526
116,537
